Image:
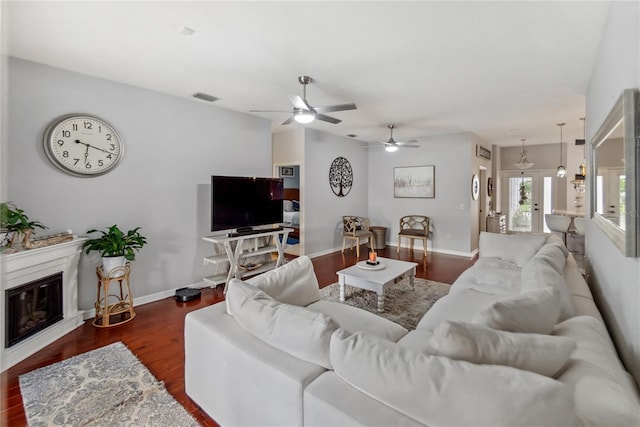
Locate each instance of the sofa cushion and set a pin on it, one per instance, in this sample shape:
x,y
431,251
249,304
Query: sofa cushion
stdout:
x,y
491,276
518,248
535,311
417,340
543,354
458,305
354,319
604,393
293,283
546,268
440,391
299,331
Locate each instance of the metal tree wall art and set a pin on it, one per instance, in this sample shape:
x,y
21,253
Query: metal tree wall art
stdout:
x,y
340,177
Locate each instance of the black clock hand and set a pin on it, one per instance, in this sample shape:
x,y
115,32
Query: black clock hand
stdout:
x,y
86,156
95,148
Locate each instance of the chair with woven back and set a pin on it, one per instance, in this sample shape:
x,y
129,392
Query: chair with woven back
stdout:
x,y
356,228
414,227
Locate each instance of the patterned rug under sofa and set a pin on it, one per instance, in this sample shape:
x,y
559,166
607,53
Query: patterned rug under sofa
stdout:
x,y
106,386
402,305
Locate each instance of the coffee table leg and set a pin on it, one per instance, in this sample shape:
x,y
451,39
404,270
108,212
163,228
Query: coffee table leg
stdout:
x,y
412,281
341,282
381,301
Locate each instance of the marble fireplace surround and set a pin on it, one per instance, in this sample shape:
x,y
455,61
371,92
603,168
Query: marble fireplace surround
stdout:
x,y
28,265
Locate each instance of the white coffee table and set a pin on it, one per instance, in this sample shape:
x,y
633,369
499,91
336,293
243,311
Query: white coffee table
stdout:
x,y
376,279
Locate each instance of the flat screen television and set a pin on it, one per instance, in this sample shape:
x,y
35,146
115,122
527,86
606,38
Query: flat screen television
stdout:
x,y
242,203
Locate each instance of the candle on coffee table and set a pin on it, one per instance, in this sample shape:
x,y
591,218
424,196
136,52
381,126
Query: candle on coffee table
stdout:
x,y
372,256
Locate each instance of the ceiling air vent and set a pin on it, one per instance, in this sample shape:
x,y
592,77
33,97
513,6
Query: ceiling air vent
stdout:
x,y
352,135
205,97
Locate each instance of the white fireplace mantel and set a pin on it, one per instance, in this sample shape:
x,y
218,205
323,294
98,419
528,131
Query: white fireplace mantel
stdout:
x,y
28,265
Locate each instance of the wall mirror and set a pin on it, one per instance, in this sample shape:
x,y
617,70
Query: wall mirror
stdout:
x,y
615,173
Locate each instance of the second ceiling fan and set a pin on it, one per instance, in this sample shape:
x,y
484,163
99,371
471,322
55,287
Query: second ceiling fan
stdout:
x,y
304,113
392,145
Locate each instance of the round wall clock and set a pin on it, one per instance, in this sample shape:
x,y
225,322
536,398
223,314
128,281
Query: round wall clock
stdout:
x,y
340,176
475,187
83,145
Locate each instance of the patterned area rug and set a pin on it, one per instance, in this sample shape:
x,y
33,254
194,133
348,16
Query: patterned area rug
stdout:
x,y
106,386
401,304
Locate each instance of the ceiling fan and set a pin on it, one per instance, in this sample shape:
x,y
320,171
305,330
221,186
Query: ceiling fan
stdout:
x,y
392,145
304,113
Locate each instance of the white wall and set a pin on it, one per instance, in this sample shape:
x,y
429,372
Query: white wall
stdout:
x,y
172,147
615,280
450,210
322,209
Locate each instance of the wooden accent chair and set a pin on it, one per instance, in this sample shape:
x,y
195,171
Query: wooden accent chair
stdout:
x,y
414,227
356,228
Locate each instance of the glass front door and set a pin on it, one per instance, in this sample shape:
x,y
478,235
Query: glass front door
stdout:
x,y
523,210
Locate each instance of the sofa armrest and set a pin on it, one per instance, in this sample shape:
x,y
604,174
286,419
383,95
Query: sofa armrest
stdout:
x,y
227,369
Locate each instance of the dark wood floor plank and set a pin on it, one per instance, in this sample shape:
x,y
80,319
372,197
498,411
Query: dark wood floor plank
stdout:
x,y
156,335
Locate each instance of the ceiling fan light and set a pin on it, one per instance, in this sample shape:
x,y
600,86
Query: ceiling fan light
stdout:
x,y
391,148
304,117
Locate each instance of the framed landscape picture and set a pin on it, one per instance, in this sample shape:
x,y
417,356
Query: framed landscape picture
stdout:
x,y
415,182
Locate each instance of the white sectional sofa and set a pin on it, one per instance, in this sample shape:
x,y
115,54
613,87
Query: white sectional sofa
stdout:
x,y
517,341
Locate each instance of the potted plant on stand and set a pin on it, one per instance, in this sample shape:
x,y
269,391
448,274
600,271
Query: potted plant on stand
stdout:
x,y
115,246
14,221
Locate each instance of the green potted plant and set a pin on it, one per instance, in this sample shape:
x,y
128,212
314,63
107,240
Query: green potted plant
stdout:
x,y
14,220
115,246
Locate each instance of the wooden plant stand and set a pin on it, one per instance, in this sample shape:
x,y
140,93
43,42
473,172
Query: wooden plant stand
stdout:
x,y
116,304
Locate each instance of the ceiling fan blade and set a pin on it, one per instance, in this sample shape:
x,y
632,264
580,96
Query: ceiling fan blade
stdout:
x,y
288,121
340,107
407,145
300,103
409,141
269,111
328,119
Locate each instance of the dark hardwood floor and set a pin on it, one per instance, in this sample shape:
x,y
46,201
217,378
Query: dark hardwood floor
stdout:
x,y
156,334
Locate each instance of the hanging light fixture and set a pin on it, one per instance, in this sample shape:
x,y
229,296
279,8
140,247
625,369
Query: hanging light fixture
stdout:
x,y
561,172
523,163
583,166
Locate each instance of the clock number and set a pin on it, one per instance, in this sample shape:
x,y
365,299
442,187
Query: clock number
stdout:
x,y
109,156
65,154
88,166
99,129
112,147
60,142
75,161
88,125
108,137
100,163
66,133
74,126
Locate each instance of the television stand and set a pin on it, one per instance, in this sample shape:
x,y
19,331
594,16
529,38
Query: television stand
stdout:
x,y
239,247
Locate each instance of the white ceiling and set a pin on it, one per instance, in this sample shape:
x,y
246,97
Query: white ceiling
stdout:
x,y
504,70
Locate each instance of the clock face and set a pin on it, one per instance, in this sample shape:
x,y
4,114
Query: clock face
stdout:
x,y
83,145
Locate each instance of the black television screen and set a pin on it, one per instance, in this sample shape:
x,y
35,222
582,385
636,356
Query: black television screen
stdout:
x,y
244,202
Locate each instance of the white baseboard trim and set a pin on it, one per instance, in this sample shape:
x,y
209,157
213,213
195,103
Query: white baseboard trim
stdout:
x,y
90,314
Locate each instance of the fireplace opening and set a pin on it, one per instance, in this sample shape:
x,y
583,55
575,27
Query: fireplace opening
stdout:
x,y
32,307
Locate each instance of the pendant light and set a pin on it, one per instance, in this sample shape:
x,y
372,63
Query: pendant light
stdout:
x,y
583,166
561,172
523,163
